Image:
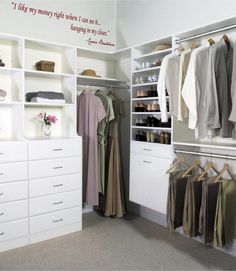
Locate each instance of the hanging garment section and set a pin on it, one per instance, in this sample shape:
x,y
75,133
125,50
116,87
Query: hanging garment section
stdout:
x,y
202,201
98,123
200,80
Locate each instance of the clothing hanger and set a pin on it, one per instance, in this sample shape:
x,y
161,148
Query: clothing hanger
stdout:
x,y
194,45
209,165
221,173
211,41
227,42
178,161
195,163
180,49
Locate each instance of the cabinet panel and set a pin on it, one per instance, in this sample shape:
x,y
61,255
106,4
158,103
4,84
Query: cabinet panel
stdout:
x,y
148,181
12,230
13,210
54,167
10,172
58,184
55,148
54,203
55,220
13,151
13,191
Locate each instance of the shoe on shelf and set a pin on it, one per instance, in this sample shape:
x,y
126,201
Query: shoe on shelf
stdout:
x,y
137,121
155,107
143,93
149,121
138,95
162,137
148,136
167,138
155,122
149,107
143,122
140,107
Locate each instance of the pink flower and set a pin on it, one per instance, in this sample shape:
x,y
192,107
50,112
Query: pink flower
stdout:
x,y
48,120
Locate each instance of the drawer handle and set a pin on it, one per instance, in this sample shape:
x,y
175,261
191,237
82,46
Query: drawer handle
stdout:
x,y
1,174
57,167
58,202
1,194
147,149
1,213
1,153
148,162
57,185
57,149
2,233
58,220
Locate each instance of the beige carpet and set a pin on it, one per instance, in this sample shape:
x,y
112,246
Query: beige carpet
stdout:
x,y
117,244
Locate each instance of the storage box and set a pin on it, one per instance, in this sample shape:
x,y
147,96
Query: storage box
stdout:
x,y
43,65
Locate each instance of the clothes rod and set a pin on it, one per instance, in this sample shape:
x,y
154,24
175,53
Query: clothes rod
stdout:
x,y
104,86
205,33
206,154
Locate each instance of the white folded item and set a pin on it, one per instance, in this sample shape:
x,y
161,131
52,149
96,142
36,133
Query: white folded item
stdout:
x,y
48,101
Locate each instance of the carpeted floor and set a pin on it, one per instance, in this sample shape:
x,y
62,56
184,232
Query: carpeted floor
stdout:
x,y
117,244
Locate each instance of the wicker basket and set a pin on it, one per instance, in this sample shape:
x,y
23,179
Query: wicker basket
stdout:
x,y
43,65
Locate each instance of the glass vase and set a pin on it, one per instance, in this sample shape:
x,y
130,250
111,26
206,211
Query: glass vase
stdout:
x,y
46,131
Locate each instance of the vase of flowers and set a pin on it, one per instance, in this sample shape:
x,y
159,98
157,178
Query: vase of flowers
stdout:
x,y
47,121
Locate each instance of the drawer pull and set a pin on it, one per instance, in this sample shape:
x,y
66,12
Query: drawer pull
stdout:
x,y
1,194
1,174
147,149
2,233
1,153
148,162
57,185
1,213
58,167
58,220
57,149
59,202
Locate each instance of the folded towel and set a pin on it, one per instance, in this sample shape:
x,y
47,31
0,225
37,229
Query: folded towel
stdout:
x,y
44,94
49,101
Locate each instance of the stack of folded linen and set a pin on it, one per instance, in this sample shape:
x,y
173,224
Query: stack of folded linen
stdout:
x,y
45,97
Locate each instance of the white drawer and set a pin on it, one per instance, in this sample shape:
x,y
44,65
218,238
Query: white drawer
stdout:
x,y
13,191
13,230
46,149
13,151
55,167
58,184
13,171
55,220
159,150
56,202
13,210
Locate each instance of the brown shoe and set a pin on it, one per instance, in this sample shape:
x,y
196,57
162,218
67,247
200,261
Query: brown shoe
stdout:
x,y
162,137
167,138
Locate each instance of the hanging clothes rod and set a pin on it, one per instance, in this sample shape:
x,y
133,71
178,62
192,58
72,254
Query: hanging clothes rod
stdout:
x,y
206,154
205,33
105,86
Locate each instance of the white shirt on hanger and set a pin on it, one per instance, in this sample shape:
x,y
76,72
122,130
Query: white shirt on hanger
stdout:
x,y
169,80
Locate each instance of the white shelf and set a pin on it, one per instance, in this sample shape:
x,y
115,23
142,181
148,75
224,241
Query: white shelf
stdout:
x,y
5,70
147,113
214,145
3,103
148,69
34,104
152,128
147,98
145,84
100,81
42,74
154,54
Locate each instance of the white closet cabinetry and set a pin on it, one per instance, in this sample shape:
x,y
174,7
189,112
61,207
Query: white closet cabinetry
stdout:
x,y
14,222
55,188
151,151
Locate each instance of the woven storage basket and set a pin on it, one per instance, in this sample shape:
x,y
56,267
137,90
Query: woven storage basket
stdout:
x,y
47,66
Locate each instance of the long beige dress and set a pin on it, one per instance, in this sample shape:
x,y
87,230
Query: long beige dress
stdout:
x,y
115,200
90,111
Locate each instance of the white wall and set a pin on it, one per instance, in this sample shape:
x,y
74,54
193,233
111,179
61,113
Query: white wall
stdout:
x,y
140,21
15,21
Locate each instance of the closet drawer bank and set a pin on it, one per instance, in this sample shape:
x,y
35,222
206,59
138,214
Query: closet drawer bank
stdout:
x,y
8,210
55,220
54,167
10,172
55,202
51,185
54,148
13,151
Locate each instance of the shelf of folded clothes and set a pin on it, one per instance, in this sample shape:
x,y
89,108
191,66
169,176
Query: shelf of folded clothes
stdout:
x,y
45,98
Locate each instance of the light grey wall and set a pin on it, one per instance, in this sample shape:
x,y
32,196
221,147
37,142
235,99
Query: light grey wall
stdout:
x,y
140,21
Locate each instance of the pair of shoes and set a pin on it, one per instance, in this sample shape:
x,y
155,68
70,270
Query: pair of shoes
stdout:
x,y
153,122
142,93
166,124
152,137
154,107
141,122
140,107
165,138
141,136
